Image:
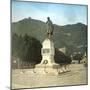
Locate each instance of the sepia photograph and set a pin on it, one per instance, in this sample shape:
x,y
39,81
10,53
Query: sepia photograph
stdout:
x,y
48,44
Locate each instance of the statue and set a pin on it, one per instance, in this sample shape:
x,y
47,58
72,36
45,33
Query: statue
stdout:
x,y
50,27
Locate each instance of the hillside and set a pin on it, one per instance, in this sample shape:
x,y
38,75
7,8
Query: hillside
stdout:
x,y
73,37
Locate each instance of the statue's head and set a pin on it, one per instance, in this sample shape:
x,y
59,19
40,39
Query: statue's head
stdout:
x,y
48,18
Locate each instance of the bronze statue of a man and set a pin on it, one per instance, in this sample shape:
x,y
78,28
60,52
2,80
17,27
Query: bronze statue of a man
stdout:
x,y
50,27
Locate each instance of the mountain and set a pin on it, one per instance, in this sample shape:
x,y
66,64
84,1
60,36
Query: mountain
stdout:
x,y
73,37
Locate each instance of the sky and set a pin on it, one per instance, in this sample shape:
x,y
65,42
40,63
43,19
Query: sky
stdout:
x,y
60,14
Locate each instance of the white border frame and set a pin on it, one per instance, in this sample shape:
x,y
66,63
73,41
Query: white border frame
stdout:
x,y
5,44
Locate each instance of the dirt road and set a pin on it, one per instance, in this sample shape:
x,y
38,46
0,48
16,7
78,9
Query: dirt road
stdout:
x,y
28,79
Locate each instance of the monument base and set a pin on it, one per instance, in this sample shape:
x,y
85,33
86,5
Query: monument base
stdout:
x,y
50,69
47,69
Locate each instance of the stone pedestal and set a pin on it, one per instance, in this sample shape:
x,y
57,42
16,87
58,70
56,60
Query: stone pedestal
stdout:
x,y
47,65
47,69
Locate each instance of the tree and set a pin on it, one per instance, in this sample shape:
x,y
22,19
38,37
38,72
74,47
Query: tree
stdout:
x,y
61,58
78,57
26,48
